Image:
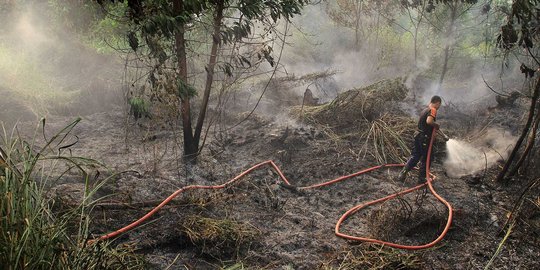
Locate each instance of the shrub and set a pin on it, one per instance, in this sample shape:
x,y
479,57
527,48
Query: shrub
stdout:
x,y
32,235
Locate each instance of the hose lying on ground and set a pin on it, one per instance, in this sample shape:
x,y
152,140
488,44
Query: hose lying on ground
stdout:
x,y
345,216
391,196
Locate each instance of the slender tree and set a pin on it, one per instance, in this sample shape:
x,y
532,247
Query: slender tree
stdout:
x,y
416,12
158,23
519,34
361,16
445,22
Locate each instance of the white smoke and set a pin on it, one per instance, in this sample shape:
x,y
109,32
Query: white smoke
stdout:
x,y
465,158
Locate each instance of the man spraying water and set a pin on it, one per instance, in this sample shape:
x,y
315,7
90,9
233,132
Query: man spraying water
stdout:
x,y
489,147
426,124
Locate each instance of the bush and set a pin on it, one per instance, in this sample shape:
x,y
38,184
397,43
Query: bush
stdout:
x,y
32,235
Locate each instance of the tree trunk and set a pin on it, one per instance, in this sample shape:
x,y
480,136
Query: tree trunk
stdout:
x,y
445,66
417,26
190,145
416,47
357,27
524,132
528,148
218,17
447,48
377,29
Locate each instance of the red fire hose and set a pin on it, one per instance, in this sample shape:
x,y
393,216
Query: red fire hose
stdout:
x,y
339,222
391,196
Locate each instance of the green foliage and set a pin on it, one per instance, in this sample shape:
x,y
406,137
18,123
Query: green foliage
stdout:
x,y
523,21
32,235
430,5
139,107
185,90
107,31
235,32
74,15
133,41
22,77
163,28
219,237
372,257
155,23
518,24
98,29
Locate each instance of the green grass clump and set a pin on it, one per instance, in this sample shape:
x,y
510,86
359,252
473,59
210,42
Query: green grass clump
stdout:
x,y
373,257
138,107
219,237
32,235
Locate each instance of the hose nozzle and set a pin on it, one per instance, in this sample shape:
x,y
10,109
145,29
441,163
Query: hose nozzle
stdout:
x,y
444,136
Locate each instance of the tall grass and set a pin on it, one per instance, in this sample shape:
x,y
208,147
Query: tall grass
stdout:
x,y
32,235
373,257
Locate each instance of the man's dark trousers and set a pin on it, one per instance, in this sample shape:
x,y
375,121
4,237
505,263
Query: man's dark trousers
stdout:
x,y
419,153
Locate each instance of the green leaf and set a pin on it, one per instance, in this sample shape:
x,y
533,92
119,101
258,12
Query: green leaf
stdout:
x,y
244,60
133,41
185,90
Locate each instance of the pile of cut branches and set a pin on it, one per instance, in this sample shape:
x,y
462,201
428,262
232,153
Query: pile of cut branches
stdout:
x,y
356,106
385,139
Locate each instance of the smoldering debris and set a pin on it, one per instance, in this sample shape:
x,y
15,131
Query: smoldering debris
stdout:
x,y
357,105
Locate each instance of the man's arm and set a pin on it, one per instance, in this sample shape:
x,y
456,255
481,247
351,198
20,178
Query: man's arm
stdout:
x,y
431,121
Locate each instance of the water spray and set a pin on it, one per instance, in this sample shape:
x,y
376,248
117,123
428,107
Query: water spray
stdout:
x,y
468,158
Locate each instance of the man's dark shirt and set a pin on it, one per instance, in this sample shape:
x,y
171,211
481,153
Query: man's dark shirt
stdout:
x,y
423,127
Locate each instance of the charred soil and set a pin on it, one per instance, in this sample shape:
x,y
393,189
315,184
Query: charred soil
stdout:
x,y
258,223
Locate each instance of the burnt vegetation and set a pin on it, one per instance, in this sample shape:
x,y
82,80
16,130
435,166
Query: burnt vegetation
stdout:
x,y
184,95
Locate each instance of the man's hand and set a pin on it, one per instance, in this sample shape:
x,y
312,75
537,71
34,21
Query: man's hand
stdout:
x,y
435,126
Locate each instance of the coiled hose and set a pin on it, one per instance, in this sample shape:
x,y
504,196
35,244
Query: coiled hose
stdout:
x,y
345,216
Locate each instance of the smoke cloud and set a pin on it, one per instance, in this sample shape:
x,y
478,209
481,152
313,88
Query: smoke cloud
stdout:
x,y
47,69
465,158
320,44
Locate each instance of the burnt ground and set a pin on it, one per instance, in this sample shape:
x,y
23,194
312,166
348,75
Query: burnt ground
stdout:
x,y
287,228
